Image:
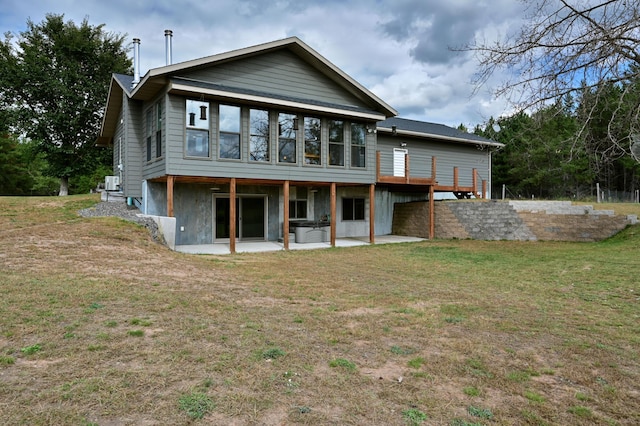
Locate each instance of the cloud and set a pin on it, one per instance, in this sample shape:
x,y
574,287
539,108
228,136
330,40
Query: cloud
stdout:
x,y
399,49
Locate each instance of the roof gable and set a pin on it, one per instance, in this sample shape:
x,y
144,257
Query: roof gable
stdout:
x,y
289,57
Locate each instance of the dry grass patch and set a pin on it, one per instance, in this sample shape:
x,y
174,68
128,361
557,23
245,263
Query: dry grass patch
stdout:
x,y
438,332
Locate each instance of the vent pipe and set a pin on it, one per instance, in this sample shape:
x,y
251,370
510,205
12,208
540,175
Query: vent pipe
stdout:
x,y
136,62
168,34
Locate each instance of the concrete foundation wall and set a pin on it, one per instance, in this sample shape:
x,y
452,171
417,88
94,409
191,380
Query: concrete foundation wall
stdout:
x,y
546,221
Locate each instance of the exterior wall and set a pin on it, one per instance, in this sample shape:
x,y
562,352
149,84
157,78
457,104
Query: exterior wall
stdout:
x,y
448,156
280,73
134,151
158,165
178,164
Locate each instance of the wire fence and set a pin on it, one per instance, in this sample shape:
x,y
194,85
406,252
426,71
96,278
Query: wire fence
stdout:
x,y
597,194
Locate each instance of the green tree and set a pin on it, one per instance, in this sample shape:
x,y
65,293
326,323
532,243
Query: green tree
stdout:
x,y
14,175
541,157
55,79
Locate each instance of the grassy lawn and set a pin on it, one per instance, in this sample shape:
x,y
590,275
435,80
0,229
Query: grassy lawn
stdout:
x,y
101,325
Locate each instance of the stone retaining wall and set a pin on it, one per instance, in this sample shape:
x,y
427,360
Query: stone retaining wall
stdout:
x,y
515,220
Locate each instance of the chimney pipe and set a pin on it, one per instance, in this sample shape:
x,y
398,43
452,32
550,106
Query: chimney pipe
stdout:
x,y
136,62
168,34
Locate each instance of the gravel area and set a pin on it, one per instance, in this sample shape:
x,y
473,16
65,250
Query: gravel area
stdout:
x,y
123,211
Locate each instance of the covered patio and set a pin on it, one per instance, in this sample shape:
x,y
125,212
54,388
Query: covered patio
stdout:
x,y
265,246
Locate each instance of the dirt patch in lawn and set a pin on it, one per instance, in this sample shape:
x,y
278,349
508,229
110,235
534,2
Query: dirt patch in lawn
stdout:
x,y
100,323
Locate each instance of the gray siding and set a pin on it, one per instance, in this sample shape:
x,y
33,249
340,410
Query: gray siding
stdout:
x,y
178,164
280,73
448,156
133,154
157,166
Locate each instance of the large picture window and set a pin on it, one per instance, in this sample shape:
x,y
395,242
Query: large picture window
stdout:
x,y
353,209
358,145
287,124
312,141
229,124
197,129
259,135
336,143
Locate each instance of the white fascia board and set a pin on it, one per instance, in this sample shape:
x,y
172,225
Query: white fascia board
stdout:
x,y
275,102
440,137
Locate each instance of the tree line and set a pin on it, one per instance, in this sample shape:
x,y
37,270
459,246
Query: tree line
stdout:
x,y
556,152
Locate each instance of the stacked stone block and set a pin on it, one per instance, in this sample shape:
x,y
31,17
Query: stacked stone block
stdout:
x,y
521,221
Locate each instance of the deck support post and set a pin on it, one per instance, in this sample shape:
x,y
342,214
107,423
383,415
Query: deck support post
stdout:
x,y
232,215
432,213
372,213
170,182
285,223
333,214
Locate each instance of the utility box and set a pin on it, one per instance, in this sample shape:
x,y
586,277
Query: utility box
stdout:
x,y
111,183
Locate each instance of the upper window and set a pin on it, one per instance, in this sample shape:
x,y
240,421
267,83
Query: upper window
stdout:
x,y
259,135
159,129
312,141
229,119
287,126
358,145
149,133
197,129
336,143
353,209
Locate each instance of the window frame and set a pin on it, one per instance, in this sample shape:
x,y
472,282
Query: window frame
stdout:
x,y
224,133
149,133
357,205
312,141
336,142
254,136
358,150
199,125
159,150
291,138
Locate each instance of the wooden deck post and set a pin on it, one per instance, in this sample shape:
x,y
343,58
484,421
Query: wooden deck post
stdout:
x,y
474,177
232,216
433,168
432,213
484,189
406,168
170,182
455,179
333,214
372,213
285,223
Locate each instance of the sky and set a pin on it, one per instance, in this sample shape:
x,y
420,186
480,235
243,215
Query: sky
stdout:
x,y
404,51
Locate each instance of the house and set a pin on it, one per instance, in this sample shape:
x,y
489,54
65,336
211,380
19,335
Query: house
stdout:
x,y
274,143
